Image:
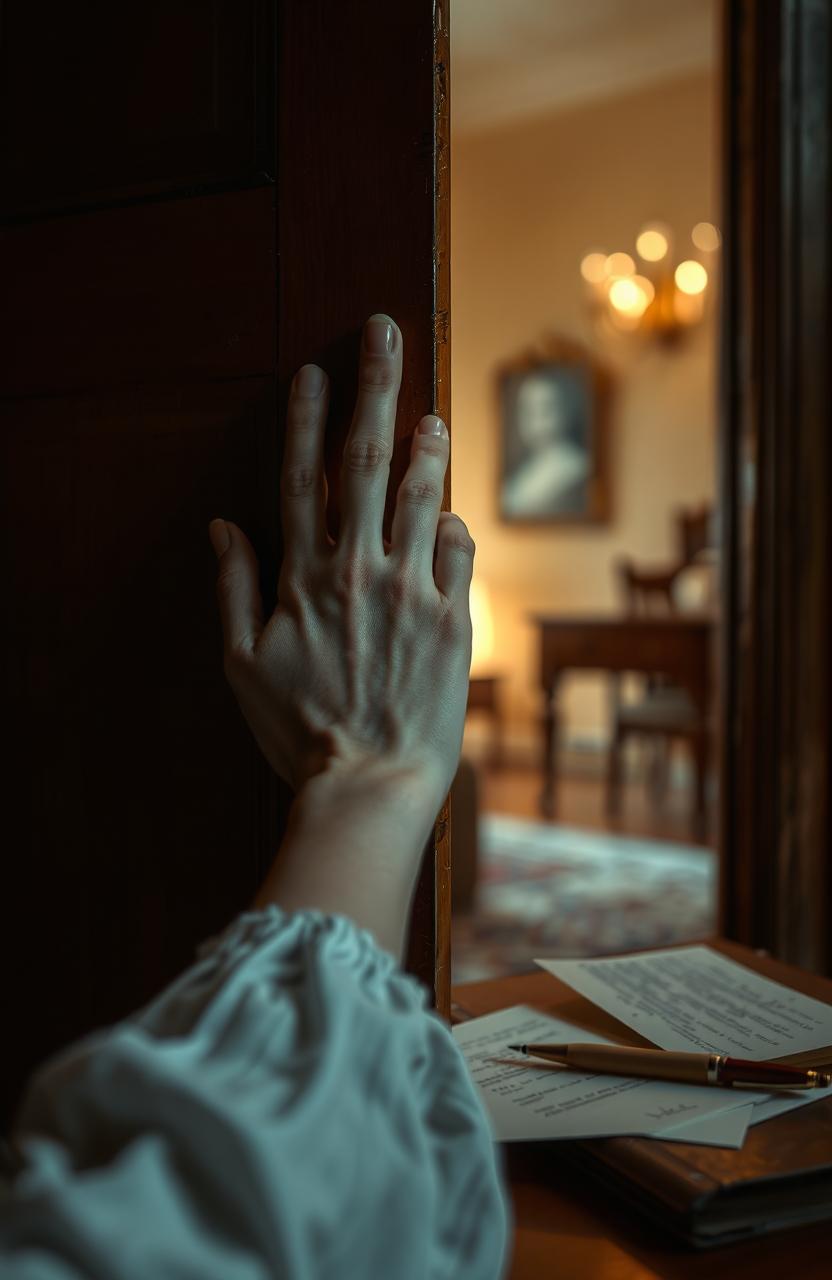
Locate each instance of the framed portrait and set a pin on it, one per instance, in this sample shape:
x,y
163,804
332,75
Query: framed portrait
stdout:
x,y
553,404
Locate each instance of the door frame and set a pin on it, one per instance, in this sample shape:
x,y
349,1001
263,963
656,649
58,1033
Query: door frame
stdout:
x,y
775,452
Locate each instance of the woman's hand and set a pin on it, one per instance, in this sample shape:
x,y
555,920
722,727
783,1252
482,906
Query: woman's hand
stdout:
x,y
362,670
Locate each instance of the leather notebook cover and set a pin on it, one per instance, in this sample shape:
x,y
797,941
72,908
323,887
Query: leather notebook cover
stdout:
x,y
781,1177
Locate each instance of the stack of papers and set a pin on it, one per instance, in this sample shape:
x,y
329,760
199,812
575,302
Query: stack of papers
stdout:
x,y
687,998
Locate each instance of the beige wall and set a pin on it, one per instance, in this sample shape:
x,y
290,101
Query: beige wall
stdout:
x,y
528,200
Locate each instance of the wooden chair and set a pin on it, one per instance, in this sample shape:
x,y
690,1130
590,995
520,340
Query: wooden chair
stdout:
x,y
695,533
665,712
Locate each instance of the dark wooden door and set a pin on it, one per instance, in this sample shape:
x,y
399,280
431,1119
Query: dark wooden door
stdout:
x,y
198,197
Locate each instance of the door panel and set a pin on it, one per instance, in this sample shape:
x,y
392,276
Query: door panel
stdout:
x,y
150,348
105,102
180,288
137,798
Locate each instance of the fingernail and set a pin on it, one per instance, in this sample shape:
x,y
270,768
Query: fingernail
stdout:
x,y
432,426
309,381
379,336
220,537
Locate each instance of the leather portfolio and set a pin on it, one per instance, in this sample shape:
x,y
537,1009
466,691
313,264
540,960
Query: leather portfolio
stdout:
x,y
781,1177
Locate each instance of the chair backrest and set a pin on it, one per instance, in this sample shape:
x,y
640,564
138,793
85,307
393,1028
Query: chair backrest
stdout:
x,y
646,592
652,592
695,532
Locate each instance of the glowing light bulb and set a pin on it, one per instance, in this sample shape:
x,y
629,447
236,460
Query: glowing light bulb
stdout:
x,y
652,244
594,268
691,277
706,237
628,297
620,264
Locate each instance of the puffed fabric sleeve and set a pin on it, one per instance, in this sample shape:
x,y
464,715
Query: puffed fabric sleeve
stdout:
x,y
288,1108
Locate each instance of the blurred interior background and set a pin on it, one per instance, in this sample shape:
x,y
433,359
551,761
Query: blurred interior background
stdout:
x,y
586,263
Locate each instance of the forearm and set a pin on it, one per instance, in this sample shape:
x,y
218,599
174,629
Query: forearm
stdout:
x,y
354,846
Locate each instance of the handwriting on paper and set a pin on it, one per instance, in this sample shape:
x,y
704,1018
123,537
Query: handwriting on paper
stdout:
x,y
694,998
525,1103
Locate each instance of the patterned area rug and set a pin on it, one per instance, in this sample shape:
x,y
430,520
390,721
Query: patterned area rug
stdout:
x,y
547,890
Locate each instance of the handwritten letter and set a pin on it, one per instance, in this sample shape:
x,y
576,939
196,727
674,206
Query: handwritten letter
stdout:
x,y
694,998
527,1102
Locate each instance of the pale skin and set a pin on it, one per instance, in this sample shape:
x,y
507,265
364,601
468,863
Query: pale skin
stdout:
x,y
355,688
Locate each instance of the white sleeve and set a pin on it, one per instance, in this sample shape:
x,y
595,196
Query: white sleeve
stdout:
x,y
288,1108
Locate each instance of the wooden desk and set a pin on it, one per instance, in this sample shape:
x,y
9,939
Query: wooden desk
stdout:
x,y
567,1230
678,647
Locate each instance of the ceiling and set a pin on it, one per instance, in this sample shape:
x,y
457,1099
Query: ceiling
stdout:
x,y
516,58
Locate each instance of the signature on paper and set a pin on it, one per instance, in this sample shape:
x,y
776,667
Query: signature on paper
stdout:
x,y
663,1112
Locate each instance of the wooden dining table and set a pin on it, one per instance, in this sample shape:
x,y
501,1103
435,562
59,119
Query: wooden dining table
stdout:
x,y
678,646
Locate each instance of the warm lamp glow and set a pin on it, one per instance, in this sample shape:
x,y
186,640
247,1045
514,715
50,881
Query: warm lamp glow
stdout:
x,y
691,277
652,245
626,322
482,624
706,237
620,264
688,307
662,296
628,296
594,268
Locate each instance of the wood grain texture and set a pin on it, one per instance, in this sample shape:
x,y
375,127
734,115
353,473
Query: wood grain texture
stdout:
x,y
179,289
356,206
777,877
137,401
139,814
150,343
103,104
134,823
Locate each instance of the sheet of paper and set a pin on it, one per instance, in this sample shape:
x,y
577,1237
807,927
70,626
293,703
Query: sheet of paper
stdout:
x,y
527,1103
725,1129
694,998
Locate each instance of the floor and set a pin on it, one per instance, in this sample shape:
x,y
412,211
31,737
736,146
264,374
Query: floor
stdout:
x,y
579,885
516,791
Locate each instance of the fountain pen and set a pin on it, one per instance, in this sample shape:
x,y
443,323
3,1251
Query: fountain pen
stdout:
x,y
684,1068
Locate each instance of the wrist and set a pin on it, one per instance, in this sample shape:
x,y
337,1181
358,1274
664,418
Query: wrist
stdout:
x,y
374,791
354,845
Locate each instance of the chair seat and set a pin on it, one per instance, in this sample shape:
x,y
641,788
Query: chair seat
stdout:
x,y
667,710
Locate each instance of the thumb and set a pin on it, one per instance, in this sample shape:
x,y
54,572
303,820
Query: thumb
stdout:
x,y
238,587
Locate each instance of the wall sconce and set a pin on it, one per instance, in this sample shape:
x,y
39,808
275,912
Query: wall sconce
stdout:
x,y
655,297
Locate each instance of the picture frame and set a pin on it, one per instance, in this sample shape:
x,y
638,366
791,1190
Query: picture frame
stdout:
x,y
553,402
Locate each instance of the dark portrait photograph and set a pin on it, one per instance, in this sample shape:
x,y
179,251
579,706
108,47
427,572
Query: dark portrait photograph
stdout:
x,y
549,444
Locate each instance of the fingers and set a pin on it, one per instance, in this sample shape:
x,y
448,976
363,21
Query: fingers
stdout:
x,y
302,479
369,444
454,566
238,588
420,496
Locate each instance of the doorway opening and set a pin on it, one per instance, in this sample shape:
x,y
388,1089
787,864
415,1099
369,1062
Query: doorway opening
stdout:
x,y
585,268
